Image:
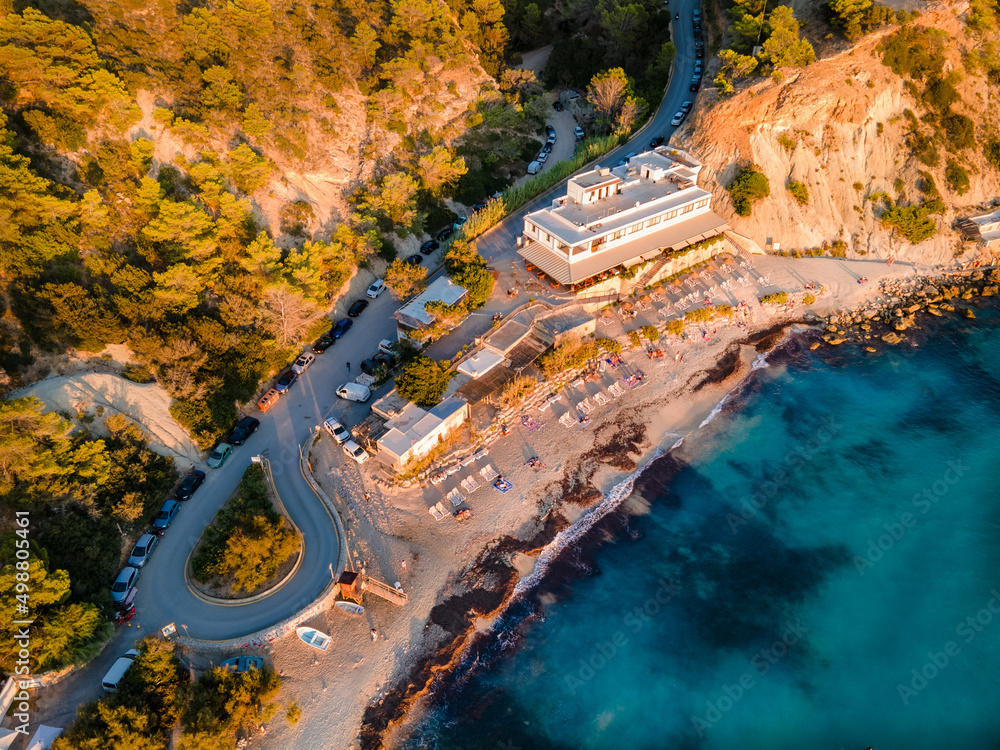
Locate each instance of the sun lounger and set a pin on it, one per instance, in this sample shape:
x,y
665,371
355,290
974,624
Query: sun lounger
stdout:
x,y
452,470
489,473
585,406
482,453
601,399
578,383
615,390
468,460
456,497
437,511
469,484
567,419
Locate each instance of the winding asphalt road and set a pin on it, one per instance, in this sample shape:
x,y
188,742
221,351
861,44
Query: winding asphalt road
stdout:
x,y
164,598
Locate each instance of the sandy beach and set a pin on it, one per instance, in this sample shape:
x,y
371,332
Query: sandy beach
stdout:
x,y
459,575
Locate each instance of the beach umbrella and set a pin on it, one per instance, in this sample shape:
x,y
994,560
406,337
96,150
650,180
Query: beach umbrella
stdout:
x,y
676,282
606,312
626,305
645,299
729,260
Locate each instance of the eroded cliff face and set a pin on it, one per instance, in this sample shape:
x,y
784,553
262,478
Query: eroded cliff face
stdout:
x,y
835,124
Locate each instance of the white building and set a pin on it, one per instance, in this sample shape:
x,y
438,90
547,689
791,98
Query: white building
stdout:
x,y
612,219
412,432
413,315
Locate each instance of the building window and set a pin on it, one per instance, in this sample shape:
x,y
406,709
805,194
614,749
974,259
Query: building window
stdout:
x,y
617,235
688,208
702,203
669,215
635,228
653,222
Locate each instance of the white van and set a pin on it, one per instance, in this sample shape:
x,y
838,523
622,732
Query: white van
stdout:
x,y
354,392
117,671
535,167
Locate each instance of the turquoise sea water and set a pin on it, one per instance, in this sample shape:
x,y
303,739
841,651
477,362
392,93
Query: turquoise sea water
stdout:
x,y
819,567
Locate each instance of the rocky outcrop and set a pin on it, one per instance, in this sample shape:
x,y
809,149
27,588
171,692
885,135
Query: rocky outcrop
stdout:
x,y
835,126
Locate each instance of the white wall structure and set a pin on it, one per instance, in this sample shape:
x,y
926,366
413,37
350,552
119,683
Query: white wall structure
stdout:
x,y
620,217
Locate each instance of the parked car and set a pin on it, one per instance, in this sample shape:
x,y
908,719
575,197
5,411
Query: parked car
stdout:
x,y
699,52
677,119
697,67
696,14
355,451
125,581
323,343
286,381
142,550
547,149
191,483
445,233
460,222
165,516
117,671
241,664
542,157
479,206
551,139
336,430
269,399
371,367
245,428
357,308
535,167
579,132
302,363
686,106
219,455
415,259
385,359
387,346
354,392
376,288
429,247
695,84
658,141
550,131
557,106
341,327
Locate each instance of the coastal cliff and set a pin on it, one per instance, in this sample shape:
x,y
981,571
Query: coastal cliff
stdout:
x,y
855,132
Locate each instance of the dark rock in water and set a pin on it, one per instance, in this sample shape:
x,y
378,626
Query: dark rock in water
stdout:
x,y
891,338
989,291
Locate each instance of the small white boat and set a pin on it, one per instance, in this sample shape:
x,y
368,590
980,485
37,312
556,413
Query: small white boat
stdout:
x,y
314,638
350,608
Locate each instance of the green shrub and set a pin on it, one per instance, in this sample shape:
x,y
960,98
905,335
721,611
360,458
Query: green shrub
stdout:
x,y
991,150
633,337
799,192
612,346
915,52
566,357
808,299
652,333
776,298
960,131
927,185
913,222
957,176
675,327
787,142
749,185
423,381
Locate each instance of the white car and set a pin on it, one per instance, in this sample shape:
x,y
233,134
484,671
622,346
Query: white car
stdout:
x,y
355,451
678,119
542,157
375,289
535,167
303,362
386,346
336,430
578,132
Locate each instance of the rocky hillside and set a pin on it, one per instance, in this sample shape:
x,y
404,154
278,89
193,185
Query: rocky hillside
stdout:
x,y
859,135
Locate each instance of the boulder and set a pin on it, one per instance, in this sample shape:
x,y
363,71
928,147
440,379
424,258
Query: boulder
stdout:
x,y
912,308
934,311
989,291
891,338
871,349
834,340
814,345
968,313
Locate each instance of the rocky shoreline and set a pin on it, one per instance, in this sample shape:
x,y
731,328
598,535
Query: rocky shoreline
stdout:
x,y
889,320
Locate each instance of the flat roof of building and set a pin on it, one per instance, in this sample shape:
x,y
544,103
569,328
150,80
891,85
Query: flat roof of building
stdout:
x,y
414,313
676,235
481,363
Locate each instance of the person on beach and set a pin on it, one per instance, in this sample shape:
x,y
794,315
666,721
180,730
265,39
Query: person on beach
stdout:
x,y
374,635
348,366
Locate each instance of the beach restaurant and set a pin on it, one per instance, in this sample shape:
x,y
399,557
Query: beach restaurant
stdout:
x,y
611,220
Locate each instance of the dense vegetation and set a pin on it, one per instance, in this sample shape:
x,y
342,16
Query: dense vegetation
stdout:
x,y
424,381
249,539
748,186
155,693
76,488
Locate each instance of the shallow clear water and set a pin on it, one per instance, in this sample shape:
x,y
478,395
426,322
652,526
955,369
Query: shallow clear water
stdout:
x,y
822,538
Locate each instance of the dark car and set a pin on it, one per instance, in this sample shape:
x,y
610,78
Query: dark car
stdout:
x,y
165,517
445,233
686,106
415,260
658,141
370,367
341,327
558,107
429,247
286,381
699,52
549,130
191,483
695,84
323,343
479,206
382,359
357,308
243,429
